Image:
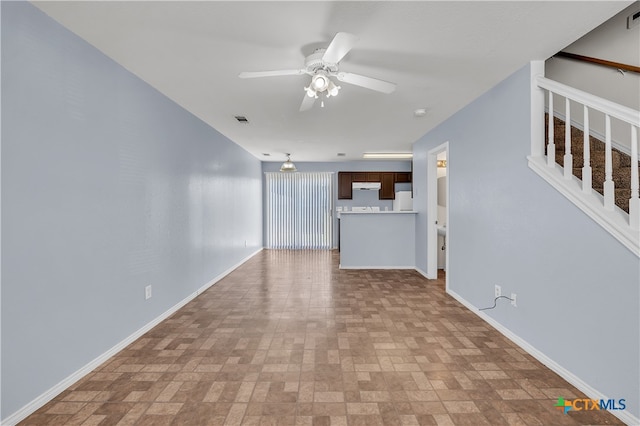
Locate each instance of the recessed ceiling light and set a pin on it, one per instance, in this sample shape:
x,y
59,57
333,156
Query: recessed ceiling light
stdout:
x,y
388,155
420,112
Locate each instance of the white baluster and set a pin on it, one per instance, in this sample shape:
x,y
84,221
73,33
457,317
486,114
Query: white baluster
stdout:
x,y
551,147
568,158
634,201
586,149
609,187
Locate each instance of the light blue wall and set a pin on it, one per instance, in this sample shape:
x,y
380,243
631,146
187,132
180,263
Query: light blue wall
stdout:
x,y
107,186
577,287
360,198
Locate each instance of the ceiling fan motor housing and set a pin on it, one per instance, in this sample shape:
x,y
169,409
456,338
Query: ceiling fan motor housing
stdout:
x,y
313,63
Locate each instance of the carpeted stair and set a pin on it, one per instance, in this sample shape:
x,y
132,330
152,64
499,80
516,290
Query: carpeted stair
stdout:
x,y
621,162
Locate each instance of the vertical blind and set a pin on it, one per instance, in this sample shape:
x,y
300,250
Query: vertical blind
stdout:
x,y
299,209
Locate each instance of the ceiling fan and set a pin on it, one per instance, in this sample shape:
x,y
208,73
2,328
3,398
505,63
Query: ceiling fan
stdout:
x,y
322,64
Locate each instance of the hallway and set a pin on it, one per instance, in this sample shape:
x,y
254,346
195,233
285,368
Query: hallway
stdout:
x,y
289,339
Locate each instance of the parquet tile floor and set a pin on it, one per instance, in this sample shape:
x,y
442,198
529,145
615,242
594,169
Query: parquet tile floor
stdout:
x,y
290,339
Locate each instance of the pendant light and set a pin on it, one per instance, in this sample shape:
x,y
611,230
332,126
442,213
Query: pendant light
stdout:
x,y
288,166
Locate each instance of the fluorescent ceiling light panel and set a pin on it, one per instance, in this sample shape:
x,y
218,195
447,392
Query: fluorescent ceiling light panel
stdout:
x,y
388,155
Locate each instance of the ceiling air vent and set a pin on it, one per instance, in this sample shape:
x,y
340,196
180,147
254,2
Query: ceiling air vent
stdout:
x,y
241,119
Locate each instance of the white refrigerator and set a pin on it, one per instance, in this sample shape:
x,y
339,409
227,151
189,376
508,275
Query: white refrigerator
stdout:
x,y
403,201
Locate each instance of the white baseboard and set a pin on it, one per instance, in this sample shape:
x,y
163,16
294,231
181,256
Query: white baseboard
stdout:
x,y
47,396
377,267
423,273
584,387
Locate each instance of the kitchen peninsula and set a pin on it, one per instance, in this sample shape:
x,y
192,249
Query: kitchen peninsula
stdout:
x,y
377,240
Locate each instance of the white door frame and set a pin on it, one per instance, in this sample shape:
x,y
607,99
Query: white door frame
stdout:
x,y
432,212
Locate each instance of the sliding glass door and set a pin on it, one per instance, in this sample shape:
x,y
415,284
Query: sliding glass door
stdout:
x,y
298,211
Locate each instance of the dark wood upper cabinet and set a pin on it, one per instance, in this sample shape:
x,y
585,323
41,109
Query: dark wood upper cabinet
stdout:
x,y
403,177
387,186
387,181
359,177
345,190
373,176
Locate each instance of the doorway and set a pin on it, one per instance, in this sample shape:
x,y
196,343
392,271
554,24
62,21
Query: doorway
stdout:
x,y
438,228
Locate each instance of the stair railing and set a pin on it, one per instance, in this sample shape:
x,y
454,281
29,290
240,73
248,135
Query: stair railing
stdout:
x,y
625,227
615,65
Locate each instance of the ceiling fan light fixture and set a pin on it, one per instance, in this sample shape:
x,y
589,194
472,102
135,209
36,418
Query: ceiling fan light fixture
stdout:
x,y
288,166
320,82
332,89
310,92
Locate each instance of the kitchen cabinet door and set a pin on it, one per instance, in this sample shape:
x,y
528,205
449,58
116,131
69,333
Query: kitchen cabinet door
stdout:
x,y
345,191
359,177
373,177
403,177
387,186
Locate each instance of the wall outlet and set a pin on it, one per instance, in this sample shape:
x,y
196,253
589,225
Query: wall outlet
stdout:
x,y
498,291
513,300
147,292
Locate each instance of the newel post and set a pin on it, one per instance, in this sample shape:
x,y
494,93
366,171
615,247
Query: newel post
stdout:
x,y
537,110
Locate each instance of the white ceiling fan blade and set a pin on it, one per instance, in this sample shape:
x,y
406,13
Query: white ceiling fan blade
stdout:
x,y
341,44
367,82
307,103
257,74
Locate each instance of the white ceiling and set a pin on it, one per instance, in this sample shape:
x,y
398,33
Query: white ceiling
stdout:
x,y
441,54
